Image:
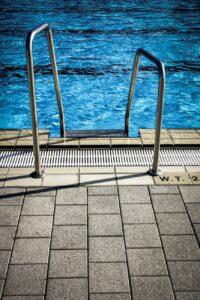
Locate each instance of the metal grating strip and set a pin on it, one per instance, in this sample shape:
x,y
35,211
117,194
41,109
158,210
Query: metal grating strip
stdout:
x,y
95,133
99,158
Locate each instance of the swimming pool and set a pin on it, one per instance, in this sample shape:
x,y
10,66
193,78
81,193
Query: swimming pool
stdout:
x,y
95,42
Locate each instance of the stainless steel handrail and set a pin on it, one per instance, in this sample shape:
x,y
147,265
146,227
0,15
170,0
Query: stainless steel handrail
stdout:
x,y
30,66
161,88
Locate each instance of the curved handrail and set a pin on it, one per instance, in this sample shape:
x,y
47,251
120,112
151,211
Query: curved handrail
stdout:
x,y
161,87
30,68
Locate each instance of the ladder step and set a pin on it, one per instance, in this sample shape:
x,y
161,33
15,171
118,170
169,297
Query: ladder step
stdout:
x,y
95,133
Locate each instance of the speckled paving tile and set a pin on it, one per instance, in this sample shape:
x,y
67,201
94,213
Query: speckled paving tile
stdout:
x,y
67,288
95,142
107,249
152,288
68,263
26,280
108,278
124,142
62,142
134,179
97,179
100,230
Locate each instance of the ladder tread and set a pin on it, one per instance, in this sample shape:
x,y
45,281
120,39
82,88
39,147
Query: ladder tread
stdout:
x,y
95,133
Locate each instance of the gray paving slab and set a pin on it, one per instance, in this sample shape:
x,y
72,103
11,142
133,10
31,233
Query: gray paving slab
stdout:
x,y
11,200
76,195
97,176
103,204
197,231
22,180
168,203
3,171
146,262
98,179
151,288
110,297
174,223
106,225
13,192
190,193
69,237
108,278
106,249
4,261
2,180
26,280
67,288
9,215
187,295
35,226
11,196
41,192
61,170
141,236
137,213
185,275
134,179
102,190
38,205
23,298
106,246
70,214
7,234
30,251
1,286
134,194
162,189
181,247
194,212
68,263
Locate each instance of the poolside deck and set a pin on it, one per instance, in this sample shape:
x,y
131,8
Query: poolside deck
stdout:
x,y
17,139
100,233
97,243
170,139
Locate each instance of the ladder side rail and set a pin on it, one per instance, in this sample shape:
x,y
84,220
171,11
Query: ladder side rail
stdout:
x,y
160,102
30,68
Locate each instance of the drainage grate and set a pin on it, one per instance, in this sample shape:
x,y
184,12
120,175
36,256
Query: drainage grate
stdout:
x,y
95,133
98,158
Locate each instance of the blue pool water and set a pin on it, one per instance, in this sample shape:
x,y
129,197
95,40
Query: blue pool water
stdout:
x,y
95,42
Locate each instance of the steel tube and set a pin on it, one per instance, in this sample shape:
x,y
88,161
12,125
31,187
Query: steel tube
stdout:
x,y
56,82
131,92
161,88
160,102
36,146
30,68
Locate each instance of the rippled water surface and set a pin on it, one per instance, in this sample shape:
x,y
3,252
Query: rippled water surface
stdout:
x,y
95,42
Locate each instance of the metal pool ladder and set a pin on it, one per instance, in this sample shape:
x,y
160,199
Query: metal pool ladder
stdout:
x,y
89,133
30,66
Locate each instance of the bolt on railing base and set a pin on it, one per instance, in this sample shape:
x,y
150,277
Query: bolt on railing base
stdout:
x,y
36,175
154,173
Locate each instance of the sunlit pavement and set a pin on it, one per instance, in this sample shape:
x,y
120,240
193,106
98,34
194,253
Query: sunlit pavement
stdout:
x,y
103,242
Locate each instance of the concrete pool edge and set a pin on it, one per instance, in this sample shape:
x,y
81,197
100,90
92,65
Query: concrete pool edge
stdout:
x,y
175,138
99,176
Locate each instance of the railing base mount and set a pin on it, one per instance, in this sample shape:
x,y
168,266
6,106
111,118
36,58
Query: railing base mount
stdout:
x,y
36,175
154,173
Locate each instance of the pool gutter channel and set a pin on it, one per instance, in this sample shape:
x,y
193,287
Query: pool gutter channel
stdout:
x,y
99,157
178,147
